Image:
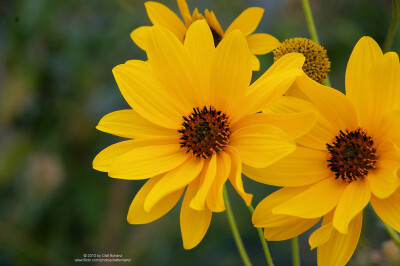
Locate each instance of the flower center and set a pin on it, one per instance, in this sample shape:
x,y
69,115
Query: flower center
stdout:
x,y
317,64
352,155
205,132
216,36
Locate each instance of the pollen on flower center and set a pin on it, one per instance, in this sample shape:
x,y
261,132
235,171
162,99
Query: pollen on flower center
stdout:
x,y
205,132
317,64
352,155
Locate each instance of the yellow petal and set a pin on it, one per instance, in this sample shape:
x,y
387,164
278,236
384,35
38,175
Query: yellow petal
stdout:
x,y
328,218
303,167
321,133
235,176
388,150
137,214
104,160
161,15
261,145
255,63
173,181
213,22
146,162
196,15
129,124
215,198
267,89
363,57
294,124
261,43
263,217
140,36
289,231
151,100
199,43
194,223
355,197
206,179
184,9
247,21
106,157
174,67
288,61
314,202
338,250
331,104
230,72
384,180
320,236
387,129
388,209
383,88
288,104
272,84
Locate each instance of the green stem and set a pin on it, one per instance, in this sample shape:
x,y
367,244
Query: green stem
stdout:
x,y
313,30
235,231
310,21
263,241
387,45
295,252
393,234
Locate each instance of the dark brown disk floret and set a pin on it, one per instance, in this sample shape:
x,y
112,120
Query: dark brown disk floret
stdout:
x,y
352,155
205,132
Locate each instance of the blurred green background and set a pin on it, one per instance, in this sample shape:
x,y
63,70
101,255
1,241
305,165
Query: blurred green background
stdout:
x,y
56,83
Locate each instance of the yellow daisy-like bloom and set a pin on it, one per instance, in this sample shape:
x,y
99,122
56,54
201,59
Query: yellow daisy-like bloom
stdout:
x,y
350,158
194,122
246,22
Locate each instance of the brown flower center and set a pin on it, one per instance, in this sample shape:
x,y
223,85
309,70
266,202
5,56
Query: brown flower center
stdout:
x,y
205,132
352,155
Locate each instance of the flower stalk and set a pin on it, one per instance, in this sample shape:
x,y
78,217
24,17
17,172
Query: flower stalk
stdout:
x,y
235,230
312,29
310,21
295,251
387,45
393,234
262,240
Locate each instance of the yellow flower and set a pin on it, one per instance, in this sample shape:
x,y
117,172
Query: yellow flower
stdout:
x,y
246,22
194,122
350,158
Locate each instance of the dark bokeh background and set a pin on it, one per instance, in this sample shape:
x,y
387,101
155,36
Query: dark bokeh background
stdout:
x,y
56,83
